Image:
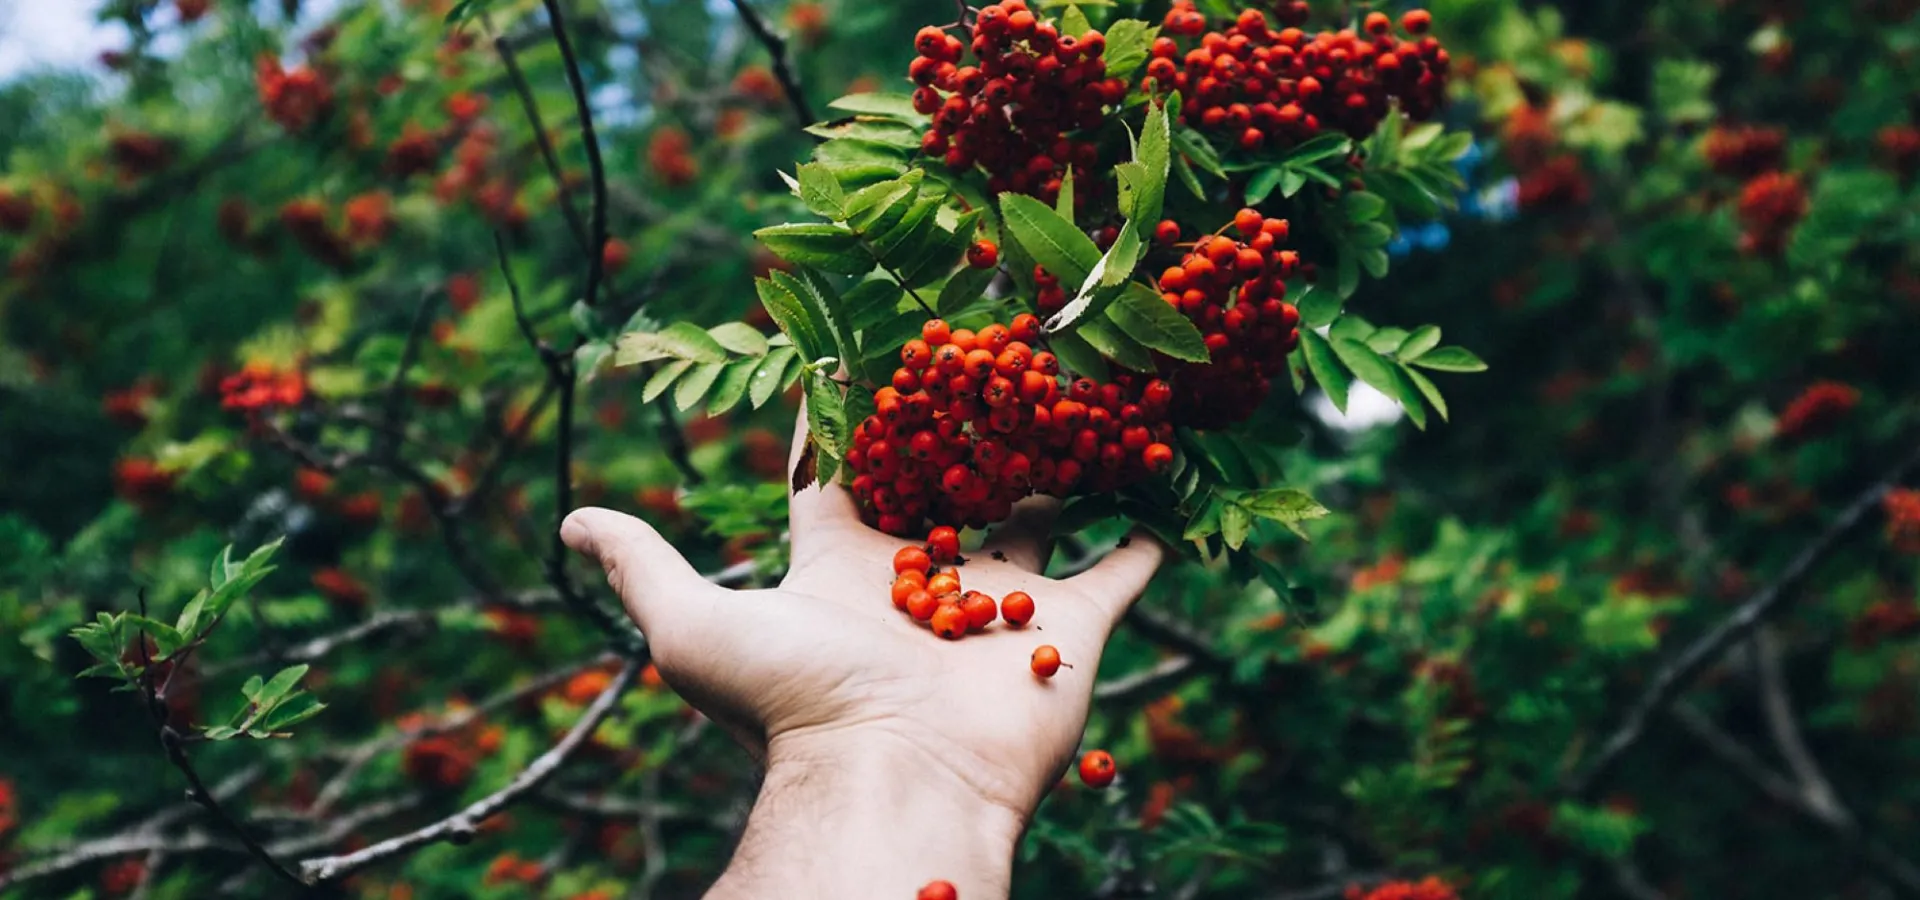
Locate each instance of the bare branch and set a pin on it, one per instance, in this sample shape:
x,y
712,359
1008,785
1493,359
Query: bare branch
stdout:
x,y
597,170
1159,678
320,647
782,64
1666,684
508,58
462,825
1777,706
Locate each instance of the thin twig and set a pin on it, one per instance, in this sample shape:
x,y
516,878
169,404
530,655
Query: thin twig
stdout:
x,y
176,753
463,825
396,405
1676,675
1159,678
541,139
1776,705
596,257
782,65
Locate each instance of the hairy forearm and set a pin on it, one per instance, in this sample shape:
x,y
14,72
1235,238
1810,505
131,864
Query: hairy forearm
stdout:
x,y
862,819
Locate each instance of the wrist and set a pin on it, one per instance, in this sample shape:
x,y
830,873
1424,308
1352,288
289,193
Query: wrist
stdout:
x,y
870,812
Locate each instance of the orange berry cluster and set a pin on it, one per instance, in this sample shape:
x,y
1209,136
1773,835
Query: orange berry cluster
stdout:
x,y
295,99
974,422
1267,87
1817,408
1900,147
1013,112
1903,520
1430,888
933,596
1770,206
1887,620
1235,292
1745,150
16,212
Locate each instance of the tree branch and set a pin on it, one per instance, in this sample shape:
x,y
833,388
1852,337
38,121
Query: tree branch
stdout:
x,y
596,257
1776,705
462,826
1681,671
504,48
782,64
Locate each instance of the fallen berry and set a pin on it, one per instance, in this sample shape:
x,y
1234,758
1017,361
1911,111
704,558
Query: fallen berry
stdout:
x,y
1097,769
980,610
911,559
1017,608
950,621
938,890
1046,661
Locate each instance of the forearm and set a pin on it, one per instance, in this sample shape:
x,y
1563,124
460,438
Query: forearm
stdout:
x,y
868,819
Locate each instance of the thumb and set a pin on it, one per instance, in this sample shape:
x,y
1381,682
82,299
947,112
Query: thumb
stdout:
x,y
644,569
1116,581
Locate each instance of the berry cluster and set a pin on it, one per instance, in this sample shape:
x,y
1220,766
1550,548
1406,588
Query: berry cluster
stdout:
x,y
1744,151
670,157
933,596
16,212
142,482
1770,206
1884,620
973,423
1013,113
1274,88
1235,292
1900,146
1427,889
1903,520
306,219
295,99
260,386
138,154
1817,408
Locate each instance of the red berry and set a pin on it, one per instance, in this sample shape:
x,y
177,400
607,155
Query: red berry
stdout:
x,y
922,605
950,621
1248,221
939,890
1017,609
1097,769
980,610
906,586
943,543
1417,21
983,255
912,559
1378,24
1167,233
1157,458
1046,661
943,584
936,332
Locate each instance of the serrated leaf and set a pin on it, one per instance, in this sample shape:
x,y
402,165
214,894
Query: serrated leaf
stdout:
x,y
1284,505
740,338
1102,283
771,375
913,235
787,310
1385,341
872,302
1236,523
1376,370
889,105
663,378
826,422
1074,22
1450,359
1347,273
1052,241
1318,307
1143,315
1261,185
277,687
1185,170
733,385
822,302
1323,147
852,152
821,191
874,209
1115,345
1063,204
1129,41
1078,356
690,390
1155,154
890,132
1291,181
828,247
1326,368
1205,521
1423,339
1195,147
681,340
966,286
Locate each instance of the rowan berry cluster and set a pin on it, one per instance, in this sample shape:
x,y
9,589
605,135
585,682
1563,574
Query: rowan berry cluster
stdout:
x,y
1903,520
138,154
670,157
142,482
16,212
1770,206
1745,150
1884,620
932,595
974,422
1900,147
306,219
1014,112
294,98
1816,409
260,386
1267,87
1430,888
1235,292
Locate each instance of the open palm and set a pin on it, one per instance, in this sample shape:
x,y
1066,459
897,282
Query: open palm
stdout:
x,y
826,658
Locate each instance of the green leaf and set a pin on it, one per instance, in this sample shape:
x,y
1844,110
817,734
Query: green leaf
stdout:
x,y
1348,274
1129,41
1078,356
889,105
966,286
1103,283
1427,389
872,302
1116,345
1236,522
827,420
733,385
279,685
663,378
1326,368
1195,147
1370,234
1450,359
787,311
1287,506
1064,203
1423,339
1192,181
828,247
1291,181
166,638
1205,521
914,236
681,340
1052,241
821,191
1145,316
877,208
693,388
1261,185
1318,307
1155,152
1324,147
296,709
772,375
1369,366
823,306
889,132
856,152
1362,206
1074,22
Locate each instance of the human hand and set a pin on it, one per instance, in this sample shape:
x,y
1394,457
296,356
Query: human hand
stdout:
x,y
872,728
